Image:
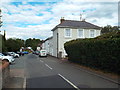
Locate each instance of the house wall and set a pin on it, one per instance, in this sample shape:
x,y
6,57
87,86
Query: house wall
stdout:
x,y
63,39
46,46
86,33
98,32
51,44
55,43
50,47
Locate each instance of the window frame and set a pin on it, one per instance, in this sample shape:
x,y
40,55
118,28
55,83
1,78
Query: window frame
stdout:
x,y
65,33
78,34
91,34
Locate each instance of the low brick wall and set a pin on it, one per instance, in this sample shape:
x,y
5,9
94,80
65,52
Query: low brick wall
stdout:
x,y
4,73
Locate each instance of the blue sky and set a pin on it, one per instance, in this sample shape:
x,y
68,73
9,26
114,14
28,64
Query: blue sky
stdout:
x,y
35,18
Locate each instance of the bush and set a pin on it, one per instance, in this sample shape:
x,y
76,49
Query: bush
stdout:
x,y
100,53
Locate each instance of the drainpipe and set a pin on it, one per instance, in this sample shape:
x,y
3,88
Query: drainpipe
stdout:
x,y
57,45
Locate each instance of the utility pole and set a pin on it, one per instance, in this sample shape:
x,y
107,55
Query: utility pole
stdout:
x,y
4,35
0,18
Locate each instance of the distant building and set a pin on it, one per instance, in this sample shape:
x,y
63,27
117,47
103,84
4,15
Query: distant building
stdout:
x,y
38,48
29,47
48,45
68,30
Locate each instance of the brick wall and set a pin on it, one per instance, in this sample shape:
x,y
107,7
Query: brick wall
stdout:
x,y
4,73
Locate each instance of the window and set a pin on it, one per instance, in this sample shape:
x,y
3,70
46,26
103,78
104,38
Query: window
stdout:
x,y
80,33
92,33
67,33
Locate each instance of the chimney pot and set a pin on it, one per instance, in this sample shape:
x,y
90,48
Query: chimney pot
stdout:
x,y
62,19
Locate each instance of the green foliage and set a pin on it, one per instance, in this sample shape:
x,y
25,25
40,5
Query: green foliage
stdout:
x,y
109,35
0,18
0,43
99,53
3,47
14,44
32,43
109,28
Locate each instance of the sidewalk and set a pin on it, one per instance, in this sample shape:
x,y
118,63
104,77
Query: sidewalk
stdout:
x,y
17,74
108,76
16,79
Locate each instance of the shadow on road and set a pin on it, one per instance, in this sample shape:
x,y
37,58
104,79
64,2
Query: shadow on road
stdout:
x,y
53,81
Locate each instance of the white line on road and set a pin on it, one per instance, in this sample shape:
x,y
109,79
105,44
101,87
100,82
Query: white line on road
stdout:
x,y
41,61
69,82
48,66
24,83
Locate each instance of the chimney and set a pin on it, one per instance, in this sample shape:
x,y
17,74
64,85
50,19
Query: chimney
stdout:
x,y
83,20
62,19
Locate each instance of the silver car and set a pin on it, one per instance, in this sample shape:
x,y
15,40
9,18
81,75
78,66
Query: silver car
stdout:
x,y
15,55
10,59
43,53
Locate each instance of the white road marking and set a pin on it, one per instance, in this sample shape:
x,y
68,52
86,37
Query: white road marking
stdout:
x,y
24,83
48,66
41,61
69,82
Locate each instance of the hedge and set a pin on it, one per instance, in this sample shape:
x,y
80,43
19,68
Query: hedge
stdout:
x,y
100,53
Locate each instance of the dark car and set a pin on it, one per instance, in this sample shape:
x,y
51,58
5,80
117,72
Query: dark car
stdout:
x,y
37,52
33,52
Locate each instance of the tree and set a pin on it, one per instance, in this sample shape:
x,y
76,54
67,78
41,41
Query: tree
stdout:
x,y
14,44
3,47
109,28
1,43
32,43
0,18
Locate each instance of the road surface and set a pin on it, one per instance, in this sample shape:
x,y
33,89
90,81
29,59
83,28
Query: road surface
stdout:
x,y
41,72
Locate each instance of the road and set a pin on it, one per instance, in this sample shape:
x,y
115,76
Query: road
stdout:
x,y
54,73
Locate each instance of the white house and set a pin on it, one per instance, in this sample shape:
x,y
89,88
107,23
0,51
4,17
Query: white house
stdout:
x,y
48,45
68,30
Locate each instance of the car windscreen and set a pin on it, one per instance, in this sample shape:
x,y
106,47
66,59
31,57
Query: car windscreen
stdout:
x,y
43,51
1,54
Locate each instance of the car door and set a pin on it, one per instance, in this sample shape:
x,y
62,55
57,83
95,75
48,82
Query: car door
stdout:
x,y
1,56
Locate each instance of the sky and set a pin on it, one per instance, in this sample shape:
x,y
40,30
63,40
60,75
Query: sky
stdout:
x,y
36,18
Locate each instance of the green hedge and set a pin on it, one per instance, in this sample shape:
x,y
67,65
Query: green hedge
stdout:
x,y
100,53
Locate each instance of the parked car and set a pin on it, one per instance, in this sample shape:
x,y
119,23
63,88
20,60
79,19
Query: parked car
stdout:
x,y
37,52
6,54
15,55
10,59
33,52
20,53
43,53
25,52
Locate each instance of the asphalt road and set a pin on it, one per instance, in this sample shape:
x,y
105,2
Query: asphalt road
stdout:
x,y
41,72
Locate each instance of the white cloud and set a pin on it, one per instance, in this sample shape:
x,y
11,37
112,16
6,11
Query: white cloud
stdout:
x,y
21,14
29,32
91,1
97,13
102,13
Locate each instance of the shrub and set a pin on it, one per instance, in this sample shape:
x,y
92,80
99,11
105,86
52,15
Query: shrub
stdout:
x,y
100,53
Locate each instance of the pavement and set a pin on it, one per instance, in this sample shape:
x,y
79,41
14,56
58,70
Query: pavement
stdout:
x,y
18,76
